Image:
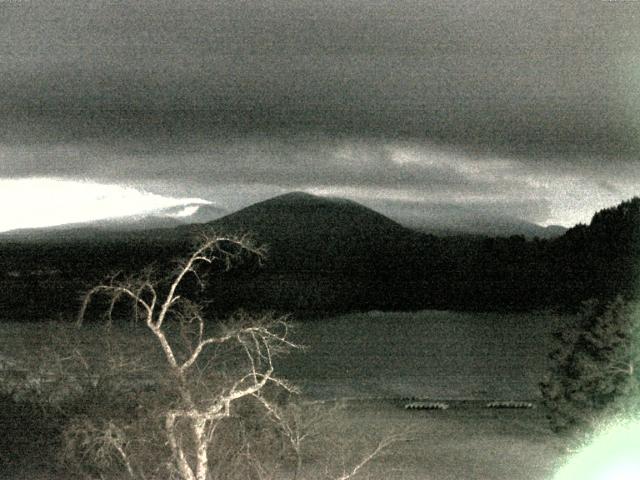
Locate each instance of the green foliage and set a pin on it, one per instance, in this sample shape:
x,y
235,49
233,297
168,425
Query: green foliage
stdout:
x,y
594,370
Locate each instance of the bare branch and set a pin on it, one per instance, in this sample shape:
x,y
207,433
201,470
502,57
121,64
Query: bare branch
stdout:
x,y
206,253
383,445
191,413
198,350
112,304
112,290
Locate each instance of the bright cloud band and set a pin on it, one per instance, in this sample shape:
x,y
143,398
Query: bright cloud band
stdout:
x,y
44,202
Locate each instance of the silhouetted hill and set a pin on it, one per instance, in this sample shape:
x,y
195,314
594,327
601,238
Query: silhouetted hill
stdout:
x,y
553,231
324,254
335,255
158,225
601,259
111,229
307,232
448,223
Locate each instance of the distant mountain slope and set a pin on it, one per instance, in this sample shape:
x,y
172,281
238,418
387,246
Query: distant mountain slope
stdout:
x,y
196,213
307,232
440,220
463,223
330,255
157,224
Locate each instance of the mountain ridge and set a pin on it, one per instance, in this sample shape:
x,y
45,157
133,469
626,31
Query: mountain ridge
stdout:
x,y
318,232
334,255
434,223
138,225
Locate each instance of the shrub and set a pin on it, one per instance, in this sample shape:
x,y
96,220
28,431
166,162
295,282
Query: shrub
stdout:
x,y
594,368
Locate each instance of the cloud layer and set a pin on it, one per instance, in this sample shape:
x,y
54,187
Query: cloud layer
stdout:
x,y
557,77
530,109
397,177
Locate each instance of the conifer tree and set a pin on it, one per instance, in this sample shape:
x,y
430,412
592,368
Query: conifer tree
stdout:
x,y
594,370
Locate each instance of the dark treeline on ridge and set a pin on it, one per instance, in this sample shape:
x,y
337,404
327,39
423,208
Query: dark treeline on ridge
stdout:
x,y
332,255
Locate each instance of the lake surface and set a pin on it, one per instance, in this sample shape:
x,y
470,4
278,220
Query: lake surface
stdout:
x,y
432,354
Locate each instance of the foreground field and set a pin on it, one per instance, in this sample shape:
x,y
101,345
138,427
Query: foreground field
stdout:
x,y
470,444
373,360
473,444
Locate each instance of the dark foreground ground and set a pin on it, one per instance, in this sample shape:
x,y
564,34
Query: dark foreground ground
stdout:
x,y
462,443
370,362
455,444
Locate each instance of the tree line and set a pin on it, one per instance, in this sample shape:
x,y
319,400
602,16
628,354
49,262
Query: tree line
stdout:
x,y
401,272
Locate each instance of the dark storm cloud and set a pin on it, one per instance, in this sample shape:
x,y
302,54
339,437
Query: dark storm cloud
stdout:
x,y
508,106
286,162
401,178
289,163
535,77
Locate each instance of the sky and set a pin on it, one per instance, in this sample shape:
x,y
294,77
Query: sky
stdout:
x,y
520,109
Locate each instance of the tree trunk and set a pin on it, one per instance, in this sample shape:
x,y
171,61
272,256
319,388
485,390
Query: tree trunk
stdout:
x,y
202,466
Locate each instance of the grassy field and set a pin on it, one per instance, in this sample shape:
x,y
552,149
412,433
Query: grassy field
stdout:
x,y
374,360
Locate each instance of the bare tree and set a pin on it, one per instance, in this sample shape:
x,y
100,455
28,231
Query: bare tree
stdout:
x,y
259,340
191,421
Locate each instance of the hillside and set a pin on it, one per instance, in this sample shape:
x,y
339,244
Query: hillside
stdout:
x,y
304,232
335,255
323,254
447,222
601,259
159,225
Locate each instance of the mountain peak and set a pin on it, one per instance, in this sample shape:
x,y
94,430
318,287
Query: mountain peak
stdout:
x,y
305,211
297,195
299,198
315,231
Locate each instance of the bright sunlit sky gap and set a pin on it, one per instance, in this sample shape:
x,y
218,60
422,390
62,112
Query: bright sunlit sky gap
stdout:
x,y
45,202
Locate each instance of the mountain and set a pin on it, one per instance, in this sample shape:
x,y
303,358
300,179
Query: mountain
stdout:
x,y
441,221
323,255
155,224
308,232
335,255
452,223
553,231
600,260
